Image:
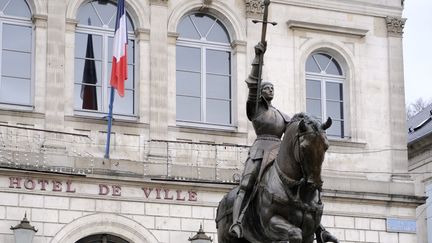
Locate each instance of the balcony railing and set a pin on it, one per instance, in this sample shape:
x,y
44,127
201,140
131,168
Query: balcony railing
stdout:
x,y
27,148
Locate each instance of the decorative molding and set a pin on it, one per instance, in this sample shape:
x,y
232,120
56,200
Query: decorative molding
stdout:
x,y
142,34
239,46
40,20
296,24
172,37
71,24
205,5
395,26
159,2
254,8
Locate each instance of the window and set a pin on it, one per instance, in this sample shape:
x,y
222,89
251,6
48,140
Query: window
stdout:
x,y
324,91
93,59
16,53
203,71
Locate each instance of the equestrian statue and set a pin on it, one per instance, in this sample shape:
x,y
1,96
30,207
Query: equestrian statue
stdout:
x,y
279,196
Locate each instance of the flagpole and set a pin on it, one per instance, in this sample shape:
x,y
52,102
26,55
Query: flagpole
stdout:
x,y
107,146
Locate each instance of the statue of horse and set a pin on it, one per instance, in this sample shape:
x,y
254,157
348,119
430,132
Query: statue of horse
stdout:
x,y
286,205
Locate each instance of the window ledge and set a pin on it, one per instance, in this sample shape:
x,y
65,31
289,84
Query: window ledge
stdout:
x,y
346,143
104,116
13,107
297,24
206,126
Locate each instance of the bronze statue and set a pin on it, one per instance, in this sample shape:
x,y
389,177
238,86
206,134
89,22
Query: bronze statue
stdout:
x,y
279,196
285,205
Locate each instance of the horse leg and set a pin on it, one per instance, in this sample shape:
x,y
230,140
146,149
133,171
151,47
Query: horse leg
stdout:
x,y
282,229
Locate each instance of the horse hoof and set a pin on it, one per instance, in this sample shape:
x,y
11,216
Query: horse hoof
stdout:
x,y
236,230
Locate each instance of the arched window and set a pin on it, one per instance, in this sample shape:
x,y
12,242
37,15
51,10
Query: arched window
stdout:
x,y
93,59
203,71
16,53
324,91
102,238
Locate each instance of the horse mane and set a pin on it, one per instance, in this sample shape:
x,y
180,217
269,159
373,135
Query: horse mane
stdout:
x,y
308,119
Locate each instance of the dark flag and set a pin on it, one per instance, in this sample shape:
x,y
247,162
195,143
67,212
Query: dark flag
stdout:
x,y
89,80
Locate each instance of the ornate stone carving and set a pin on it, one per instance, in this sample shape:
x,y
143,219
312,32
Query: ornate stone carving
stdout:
x,y
254,8
395,26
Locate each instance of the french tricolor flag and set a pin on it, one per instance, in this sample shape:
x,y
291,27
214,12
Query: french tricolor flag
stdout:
x,y
119,62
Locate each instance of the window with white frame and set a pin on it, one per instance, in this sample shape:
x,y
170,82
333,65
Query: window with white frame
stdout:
x,y
325,91
16,60
93,60
203,71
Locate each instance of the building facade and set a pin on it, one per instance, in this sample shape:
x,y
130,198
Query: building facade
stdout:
x,y
419,162
180,134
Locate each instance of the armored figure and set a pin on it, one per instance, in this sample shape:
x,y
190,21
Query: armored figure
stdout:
x,y
269,124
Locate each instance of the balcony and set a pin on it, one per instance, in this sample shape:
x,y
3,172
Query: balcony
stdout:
x,y
31,149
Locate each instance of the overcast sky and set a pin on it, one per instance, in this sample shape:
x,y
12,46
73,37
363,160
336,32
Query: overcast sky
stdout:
x,y
418,50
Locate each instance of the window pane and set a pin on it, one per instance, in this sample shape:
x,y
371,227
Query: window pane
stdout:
x,y
88,16
334,91
88,75
87,44
130,51
15,90
334,68
322,59
88,97
187,30
335,109
313,89
107,13
188,58
313,107
218,86
17,37
188,83
218,111
3,3
218,62
16,64
188,108
124,105
18,8
336,129
218,34
203,23
311,66
129,83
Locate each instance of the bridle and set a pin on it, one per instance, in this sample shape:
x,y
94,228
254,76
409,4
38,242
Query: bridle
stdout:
x,y
299,159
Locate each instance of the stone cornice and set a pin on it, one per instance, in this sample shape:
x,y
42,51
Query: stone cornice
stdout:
x,y
296,24
254,8
395,26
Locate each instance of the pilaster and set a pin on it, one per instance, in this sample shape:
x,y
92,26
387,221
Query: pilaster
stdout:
x,y
56,26
397,126
40,32
158,70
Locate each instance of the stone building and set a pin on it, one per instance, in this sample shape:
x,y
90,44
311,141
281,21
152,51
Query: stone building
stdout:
x,y
419,164
180,134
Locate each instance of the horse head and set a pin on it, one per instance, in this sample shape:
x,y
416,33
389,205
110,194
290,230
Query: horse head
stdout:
x,y
303,148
